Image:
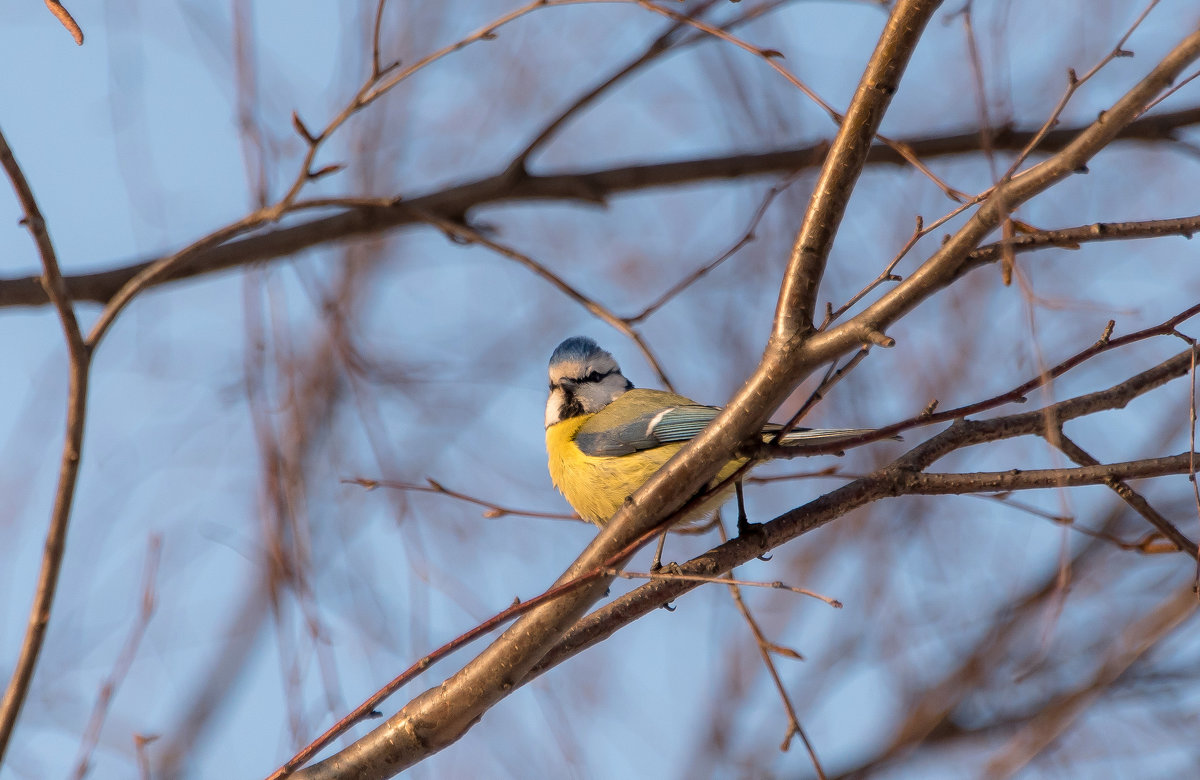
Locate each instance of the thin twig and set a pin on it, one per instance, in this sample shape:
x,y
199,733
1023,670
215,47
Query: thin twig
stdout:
x,y
79,360
68,21
493,509
747,236
986,132
1073,84
151,274
382,81
886,275
832,377
669,575
1150,544
765,650
124,662
1183,82
1192,447
657,47
377,69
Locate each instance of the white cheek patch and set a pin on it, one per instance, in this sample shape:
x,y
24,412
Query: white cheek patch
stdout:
x,y
553,404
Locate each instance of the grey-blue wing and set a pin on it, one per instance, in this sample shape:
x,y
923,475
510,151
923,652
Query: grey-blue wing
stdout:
x,y
647,431
679,423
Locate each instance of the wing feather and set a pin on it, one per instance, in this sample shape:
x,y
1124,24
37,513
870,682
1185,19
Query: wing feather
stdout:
x,y
661,418
647,431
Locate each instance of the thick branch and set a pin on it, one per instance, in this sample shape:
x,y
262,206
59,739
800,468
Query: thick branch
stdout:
x,y
926,484
847,156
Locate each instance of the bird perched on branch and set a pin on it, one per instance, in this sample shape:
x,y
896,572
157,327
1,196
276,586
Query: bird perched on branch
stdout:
x,y
605,437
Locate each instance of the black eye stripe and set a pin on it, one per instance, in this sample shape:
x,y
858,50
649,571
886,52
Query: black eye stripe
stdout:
x,y
594,376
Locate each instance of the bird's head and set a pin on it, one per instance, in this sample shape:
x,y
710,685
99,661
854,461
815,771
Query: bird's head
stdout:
x,y
583,380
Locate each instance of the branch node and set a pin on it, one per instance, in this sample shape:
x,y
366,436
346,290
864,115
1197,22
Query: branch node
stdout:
x,y
325,171
298,124
879,339
386,69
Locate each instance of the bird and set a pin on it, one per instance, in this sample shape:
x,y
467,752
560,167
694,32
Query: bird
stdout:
x,y
605,438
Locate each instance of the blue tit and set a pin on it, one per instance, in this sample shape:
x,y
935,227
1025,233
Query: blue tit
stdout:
x,y
605,438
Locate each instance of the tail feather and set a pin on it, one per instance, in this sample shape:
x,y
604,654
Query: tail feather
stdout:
x,y
801,435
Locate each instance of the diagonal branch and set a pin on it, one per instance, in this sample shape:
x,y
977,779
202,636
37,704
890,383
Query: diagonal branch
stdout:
x,y
847,156
1136,501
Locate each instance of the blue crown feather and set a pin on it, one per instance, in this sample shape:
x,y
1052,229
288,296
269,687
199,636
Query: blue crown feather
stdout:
x,y
575,348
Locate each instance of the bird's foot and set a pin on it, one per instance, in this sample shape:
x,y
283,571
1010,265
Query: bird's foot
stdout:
x,y
749,530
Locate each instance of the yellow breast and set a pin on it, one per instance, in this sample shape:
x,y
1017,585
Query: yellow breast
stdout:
x,y
597,486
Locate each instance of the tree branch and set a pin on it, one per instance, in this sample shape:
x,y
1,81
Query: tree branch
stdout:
x,y
371,218
927,484
847,156
1136,501
79,361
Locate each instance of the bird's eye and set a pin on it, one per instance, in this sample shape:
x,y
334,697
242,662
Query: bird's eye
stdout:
x,y
594,377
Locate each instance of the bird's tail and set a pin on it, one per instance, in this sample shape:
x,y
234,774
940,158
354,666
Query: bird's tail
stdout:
x,y
812,435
